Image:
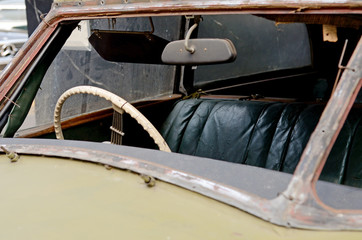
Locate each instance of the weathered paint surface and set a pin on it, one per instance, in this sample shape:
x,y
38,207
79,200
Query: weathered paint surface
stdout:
x,y
52,198
280,210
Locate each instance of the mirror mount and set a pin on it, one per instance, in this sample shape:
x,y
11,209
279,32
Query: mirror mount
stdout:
x,y
197,20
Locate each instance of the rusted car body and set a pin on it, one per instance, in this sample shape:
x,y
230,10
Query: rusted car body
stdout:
x,y
297,206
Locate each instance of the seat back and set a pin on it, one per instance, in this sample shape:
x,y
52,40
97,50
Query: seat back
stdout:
x,y
271,135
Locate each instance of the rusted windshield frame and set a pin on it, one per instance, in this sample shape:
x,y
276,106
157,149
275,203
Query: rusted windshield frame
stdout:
x,y
299,206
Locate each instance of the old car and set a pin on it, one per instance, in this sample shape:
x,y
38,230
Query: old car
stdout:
x,y
185,120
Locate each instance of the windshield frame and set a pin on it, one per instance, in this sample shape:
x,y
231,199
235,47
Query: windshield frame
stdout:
x,y
298,206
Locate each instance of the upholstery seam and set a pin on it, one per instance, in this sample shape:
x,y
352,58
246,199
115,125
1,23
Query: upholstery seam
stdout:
x,y
286,147
274,131
202,130
187,124
252,132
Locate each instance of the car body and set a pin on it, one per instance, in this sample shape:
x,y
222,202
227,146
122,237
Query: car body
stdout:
x,y
257,100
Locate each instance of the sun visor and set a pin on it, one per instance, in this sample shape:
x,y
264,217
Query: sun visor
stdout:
x,y
133,47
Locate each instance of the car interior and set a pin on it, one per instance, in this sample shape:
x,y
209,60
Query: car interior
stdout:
x,y
247,89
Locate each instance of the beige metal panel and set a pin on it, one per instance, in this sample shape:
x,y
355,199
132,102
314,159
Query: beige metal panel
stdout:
x,y
53,198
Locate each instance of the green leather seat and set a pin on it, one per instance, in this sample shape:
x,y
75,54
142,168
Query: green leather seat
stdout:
x,y
265,134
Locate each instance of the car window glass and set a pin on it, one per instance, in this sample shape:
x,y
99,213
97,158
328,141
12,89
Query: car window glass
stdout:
x,y
262,46
77,65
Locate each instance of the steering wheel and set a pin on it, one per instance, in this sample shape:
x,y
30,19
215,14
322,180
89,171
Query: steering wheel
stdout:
x,y
119,104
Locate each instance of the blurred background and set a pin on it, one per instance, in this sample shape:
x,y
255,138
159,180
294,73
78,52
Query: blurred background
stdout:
x,y
13,29
18,19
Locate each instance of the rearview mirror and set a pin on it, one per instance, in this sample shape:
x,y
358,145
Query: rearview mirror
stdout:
x,y
205,51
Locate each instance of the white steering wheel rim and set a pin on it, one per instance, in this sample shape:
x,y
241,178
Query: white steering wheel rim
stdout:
x,y
118,103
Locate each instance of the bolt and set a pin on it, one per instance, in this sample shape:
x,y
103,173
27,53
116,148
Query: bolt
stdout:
x,y
150,181
14,157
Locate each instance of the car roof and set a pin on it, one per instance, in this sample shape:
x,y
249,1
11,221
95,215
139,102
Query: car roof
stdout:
x,y
249,2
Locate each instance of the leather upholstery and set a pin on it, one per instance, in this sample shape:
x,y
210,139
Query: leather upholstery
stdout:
x,y
265,134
